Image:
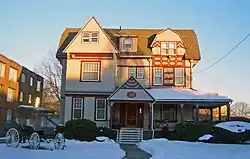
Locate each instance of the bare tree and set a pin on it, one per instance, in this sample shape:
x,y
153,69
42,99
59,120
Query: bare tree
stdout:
x,y
240,109
51,70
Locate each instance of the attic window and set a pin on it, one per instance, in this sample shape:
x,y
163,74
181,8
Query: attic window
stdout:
x,y
169,48
128,43
90,37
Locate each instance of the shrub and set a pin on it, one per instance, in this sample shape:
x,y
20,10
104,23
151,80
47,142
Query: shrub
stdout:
x,y
191,131
81,129
104,131
226,136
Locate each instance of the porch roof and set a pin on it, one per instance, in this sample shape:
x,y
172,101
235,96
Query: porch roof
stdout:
x,y
185,95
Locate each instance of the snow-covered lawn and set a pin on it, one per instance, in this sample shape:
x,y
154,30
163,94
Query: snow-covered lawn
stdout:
x,y
164,149
74,150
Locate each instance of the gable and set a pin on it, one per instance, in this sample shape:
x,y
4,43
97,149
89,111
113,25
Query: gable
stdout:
x,y
104,44
131,90
167,35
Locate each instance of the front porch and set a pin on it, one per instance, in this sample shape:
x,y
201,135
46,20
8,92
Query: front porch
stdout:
x,y
141,115
148,110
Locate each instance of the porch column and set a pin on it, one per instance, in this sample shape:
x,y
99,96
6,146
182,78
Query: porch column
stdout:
x,y
211,114
152,119
197,112
228,111
219,113
182,119
109,114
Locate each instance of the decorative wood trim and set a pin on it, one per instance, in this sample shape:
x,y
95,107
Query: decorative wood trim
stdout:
x,y
99,70
90,55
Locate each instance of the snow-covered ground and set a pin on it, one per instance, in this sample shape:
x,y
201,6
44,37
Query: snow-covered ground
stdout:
x,y
162,149
74,150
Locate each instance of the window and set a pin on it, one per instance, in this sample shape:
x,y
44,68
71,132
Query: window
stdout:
x,y
132,72
158,78
140,73
179,76
2,69
10,95
23,78
90,37
1,91
77,108
38,86
30,99
168,48
128,43
21,97
13,74
31,81
169,112
90,71
100,108
8,115
37,102
94,37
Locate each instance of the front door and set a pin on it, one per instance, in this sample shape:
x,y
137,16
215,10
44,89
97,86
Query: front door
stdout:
x,y
131,115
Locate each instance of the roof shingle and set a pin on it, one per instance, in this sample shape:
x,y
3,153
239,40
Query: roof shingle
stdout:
x,y
145,38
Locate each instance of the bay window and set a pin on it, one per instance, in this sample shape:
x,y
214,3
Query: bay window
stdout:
x,y
90,71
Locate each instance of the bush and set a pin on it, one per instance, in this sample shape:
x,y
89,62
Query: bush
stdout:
x,y
103,131
226,136
191,131
81,129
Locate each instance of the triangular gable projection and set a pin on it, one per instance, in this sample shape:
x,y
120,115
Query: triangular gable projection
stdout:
x,y
167,35
104,44
131,90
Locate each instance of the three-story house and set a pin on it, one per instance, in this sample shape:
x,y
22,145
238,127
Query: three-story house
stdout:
x,y
131,78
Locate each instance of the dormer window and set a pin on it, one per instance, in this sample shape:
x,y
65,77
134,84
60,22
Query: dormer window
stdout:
x,y
128,43
90,37
168,48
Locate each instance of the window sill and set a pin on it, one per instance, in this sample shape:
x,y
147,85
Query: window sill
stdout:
x,y
100,119
90,81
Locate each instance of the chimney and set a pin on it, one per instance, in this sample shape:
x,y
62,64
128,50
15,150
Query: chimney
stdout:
x,y
120,28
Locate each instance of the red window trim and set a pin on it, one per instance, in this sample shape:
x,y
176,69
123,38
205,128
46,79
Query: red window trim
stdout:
x,y
99,80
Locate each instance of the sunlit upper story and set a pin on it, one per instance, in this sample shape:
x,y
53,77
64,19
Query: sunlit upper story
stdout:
x,y
95,58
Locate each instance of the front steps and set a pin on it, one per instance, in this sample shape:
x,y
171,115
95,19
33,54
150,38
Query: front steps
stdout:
x,y
130,135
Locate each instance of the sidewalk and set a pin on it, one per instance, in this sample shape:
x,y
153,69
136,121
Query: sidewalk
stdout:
x,y
133,152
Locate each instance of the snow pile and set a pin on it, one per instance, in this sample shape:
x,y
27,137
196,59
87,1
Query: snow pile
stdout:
x,y
234,126
164,149
74,150
205,137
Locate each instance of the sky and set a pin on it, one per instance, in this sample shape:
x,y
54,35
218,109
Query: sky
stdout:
x,y
30,29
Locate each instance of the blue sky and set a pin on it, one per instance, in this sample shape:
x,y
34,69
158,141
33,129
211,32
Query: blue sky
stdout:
x,y
29,29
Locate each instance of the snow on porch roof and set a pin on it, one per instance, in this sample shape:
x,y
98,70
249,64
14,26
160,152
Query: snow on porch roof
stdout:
x,y
185,95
